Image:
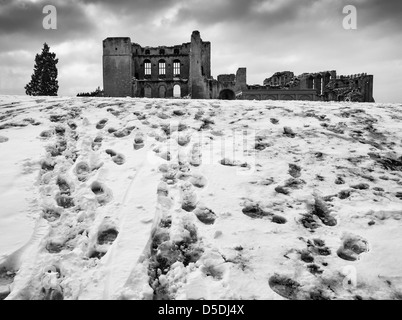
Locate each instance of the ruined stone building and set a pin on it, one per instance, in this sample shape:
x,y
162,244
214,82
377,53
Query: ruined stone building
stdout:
x,y
185,71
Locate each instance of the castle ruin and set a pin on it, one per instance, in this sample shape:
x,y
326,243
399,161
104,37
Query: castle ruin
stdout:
x,y
185,71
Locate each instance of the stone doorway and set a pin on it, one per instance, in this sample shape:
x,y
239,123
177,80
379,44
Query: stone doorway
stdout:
x,y
227,94
176,91
162,92
147,92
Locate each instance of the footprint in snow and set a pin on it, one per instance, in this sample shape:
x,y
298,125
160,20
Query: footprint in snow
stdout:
x,y
101,124
51,214
352,247
188,197
105,238
64,186
294,170
183,139
289,132
138,141
278,219
97,143
103,194
82,170
285,287
58,148
253,210
56,245
117,158
60,130
46,134
205,215
196,155
163,195
123,132
47,165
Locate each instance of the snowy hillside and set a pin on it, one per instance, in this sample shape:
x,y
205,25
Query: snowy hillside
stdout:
x,y
186,199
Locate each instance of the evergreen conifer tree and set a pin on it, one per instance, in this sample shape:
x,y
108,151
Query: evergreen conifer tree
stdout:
x,y
44,79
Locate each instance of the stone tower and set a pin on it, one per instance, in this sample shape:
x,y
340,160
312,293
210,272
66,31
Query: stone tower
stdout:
x,y
117,67
198,85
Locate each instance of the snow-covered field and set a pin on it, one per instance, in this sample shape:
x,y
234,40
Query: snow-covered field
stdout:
x,y
199,199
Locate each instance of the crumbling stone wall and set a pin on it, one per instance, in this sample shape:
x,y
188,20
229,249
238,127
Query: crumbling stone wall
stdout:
x,y
279,79
124,75
355,88
326,85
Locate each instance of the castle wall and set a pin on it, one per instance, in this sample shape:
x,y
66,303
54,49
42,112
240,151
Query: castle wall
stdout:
x,y
155,56
124,75
271,94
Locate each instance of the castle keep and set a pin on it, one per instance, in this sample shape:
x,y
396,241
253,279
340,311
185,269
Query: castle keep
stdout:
x,y
185,71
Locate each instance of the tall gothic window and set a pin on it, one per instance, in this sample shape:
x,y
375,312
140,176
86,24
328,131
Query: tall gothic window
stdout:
x,y
147,67
176,68
162,67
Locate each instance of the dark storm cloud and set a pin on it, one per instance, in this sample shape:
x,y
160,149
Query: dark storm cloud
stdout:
x,y
257,12
274,13
380,11
25,18
139,8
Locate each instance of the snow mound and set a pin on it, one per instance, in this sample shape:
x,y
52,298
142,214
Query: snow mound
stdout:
x,y
127,198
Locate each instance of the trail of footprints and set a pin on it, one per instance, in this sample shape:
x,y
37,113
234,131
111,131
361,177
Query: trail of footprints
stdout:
x,y
177,199
69,223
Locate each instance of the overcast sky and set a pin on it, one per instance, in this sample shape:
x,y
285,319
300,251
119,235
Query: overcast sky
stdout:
x,y
263,35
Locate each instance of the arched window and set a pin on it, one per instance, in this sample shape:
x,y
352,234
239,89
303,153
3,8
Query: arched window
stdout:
x,y
176,91
147,51
176,68
147,67
162,67
176,51
162,51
